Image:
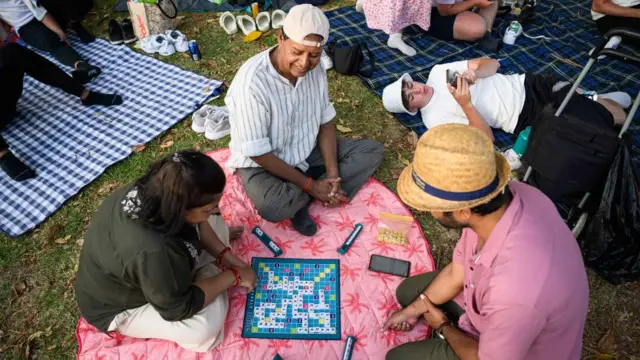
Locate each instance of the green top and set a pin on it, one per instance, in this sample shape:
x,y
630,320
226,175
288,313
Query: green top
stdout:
x,y
124,265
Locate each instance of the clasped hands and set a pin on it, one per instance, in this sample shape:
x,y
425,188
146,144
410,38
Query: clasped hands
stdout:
x,y
403,320
328,191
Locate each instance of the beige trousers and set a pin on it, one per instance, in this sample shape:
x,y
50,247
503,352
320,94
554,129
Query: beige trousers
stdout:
x,y
201,332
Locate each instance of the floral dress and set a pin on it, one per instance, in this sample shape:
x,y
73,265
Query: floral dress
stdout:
x,y
391,16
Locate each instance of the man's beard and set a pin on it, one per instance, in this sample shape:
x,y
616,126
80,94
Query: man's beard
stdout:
x,y
450,223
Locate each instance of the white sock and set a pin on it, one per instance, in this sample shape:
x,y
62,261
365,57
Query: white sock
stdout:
x,y
360,6
620,97
395,42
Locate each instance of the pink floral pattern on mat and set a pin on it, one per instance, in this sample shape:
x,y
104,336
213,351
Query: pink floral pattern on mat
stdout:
x,y
391,16
367,298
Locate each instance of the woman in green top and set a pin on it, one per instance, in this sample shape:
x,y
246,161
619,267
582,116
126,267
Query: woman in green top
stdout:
x,y
147,267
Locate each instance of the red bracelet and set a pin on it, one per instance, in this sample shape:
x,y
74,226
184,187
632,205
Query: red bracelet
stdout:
x,y
237,275
308,185
221,256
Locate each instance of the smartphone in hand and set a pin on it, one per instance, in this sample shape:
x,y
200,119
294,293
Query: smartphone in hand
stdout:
x,y
452,78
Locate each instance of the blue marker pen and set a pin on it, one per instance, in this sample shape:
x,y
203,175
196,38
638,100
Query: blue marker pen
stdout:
x,y
347,244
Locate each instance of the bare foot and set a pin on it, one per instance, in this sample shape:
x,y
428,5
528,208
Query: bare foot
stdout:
x,y
235,232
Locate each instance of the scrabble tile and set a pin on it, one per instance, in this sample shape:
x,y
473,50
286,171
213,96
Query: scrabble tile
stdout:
x,y
261,265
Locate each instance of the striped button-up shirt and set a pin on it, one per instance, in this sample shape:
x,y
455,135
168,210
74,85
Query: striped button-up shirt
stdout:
x,y
269,114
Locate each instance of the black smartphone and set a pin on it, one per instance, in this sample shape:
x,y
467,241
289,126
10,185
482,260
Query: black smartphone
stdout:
x,y
389,265
452,78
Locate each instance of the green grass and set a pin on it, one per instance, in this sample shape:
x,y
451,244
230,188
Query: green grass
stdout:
x,y
38,309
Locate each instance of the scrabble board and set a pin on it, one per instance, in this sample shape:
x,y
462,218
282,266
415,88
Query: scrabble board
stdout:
x,y
294,299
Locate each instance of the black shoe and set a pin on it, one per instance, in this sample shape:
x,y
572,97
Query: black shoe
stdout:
x,y
115,33
303,223
85,72
127,31
489,44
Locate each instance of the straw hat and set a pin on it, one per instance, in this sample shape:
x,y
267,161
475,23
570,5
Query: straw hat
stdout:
x,y
455,167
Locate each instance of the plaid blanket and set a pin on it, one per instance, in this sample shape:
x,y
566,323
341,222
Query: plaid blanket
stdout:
x,y
70,145
567,22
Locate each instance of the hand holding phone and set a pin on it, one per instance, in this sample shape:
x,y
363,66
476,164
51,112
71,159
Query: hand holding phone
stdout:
x,y
452,78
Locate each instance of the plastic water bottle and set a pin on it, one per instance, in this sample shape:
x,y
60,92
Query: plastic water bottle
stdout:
x,y
521,143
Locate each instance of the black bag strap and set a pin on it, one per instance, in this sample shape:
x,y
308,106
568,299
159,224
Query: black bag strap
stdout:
x,y
371,63
173,4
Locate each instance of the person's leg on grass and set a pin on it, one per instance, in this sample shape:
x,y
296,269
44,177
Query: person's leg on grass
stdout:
x,y
40,37
277,200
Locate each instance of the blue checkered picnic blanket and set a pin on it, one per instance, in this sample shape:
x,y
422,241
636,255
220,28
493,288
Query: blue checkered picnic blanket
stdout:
x,y
70,145
567,22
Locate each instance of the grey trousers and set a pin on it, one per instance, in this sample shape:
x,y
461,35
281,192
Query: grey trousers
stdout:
x,y
431,349
277,200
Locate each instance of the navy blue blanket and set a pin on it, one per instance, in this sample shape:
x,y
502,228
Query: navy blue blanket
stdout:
x,y
567,22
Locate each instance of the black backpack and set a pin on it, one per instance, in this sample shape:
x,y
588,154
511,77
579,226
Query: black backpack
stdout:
x,y
348,60
569,155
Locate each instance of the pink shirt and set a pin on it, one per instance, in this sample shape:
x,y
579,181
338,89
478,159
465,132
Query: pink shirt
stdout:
x,y
525,293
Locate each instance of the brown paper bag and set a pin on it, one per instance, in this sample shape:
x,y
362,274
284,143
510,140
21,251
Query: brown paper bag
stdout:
x,y
150,19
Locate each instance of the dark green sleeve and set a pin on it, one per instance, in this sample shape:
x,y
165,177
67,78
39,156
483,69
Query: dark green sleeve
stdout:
x,y
165,279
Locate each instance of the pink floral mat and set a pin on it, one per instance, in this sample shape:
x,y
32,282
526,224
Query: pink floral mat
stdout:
x,y
367,297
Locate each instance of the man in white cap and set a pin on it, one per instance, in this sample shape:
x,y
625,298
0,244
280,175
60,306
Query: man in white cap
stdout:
x,y
516,287
484,99
283,143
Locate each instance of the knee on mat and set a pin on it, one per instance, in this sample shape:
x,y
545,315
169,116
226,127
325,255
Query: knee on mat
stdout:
x,y
402,294
274,213
375,149
474,30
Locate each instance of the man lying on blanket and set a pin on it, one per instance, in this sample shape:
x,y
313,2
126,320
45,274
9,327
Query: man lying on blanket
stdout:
x,y
283,143
484,99
516,287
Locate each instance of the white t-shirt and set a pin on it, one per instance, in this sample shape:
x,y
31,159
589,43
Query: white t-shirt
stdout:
x,y
623,3
18,13
269,114
498,98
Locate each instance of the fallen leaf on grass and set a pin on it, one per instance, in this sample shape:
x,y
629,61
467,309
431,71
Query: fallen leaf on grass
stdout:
x,y
395,173
138,148
63,240
210,20
33,337
607,344
404,161
212,63
343,129
196,147
166,144
412,138
19,288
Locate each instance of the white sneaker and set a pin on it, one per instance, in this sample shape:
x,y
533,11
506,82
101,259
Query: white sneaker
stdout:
x,y
277,19
246,24
263,20
217,124
228,23
157,44
326,61
178,40
199,118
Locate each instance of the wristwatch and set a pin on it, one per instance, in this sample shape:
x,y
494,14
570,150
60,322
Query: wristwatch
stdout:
x,y
440,329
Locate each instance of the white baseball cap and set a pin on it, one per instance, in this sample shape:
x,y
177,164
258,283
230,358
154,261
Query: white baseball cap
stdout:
x,y
392,96
304,20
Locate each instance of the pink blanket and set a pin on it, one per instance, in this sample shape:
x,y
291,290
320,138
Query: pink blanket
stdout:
x,y
367,297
